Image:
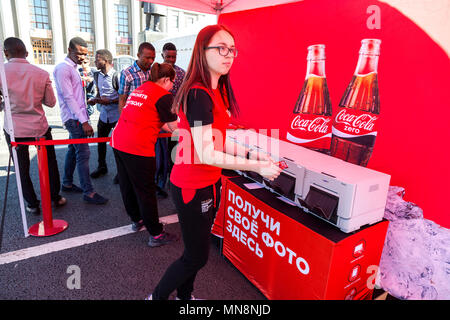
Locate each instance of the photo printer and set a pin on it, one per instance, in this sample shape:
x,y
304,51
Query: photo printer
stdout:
x,y
343,194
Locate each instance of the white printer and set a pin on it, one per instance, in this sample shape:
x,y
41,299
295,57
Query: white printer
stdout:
x,y
346,195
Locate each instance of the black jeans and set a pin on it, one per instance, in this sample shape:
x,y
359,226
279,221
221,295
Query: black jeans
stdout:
x,y
137,186
23,157
196,218
103,130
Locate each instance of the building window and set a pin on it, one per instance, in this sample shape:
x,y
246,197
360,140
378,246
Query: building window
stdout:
x,y
91,53
123,49
174,20
123,39
122,20
84,8
39,14
190,19
42,51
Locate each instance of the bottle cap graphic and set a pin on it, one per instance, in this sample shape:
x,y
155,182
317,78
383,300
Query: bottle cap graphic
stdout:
x,y
316,52
370,47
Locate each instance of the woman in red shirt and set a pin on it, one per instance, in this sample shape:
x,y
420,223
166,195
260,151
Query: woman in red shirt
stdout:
x,y
204,103
148,108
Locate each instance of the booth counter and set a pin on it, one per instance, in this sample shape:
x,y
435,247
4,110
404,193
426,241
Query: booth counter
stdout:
x,y
290,254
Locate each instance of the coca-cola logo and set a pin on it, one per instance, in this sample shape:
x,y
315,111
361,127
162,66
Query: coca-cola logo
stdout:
x,y
318,124
363,121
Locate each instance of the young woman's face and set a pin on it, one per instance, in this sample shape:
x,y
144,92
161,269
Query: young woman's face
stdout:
x,y
219,64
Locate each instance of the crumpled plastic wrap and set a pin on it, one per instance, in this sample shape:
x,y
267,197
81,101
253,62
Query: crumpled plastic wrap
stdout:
x,y
415,263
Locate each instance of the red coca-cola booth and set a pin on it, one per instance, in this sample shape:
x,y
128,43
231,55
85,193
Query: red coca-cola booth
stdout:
x,y
413,76
272,38
290,254
296,256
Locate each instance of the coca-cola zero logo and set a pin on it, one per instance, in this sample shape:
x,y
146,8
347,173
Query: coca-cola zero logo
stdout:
x,y
318,124
355,123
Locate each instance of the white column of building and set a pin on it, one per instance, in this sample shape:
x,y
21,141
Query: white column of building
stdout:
x,y
99,31
135,22
69,20
6,19
23,25
109,25
57,32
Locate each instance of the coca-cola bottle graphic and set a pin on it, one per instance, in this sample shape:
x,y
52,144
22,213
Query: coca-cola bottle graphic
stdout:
x,y
355,124
311,123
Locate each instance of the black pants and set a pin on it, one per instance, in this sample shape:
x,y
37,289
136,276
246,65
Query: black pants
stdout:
x,y
103,130
137,186
23,157
196,219
171,146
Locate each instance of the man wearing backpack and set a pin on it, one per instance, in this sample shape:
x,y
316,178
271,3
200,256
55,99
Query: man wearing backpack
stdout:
x,y
106,80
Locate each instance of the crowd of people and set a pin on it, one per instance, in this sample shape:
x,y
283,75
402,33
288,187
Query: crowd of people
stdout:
x,y
145,99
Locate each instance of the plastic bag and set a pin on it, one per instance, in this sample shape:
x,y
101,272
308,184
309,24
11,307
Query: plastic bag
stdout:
x,y
415,263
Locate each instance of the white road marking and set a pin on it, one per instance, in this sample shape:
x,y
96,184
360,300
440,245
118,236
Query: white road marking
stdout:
x,y
64,146
55,246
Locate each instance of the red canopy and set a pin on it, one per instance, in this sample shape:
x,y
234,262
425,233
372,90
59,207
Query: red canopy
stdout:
x,y
219,6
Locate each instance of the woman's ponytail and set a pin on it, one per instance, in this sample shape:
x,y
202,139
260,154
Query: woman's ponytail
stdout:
x,y
161,70
154,71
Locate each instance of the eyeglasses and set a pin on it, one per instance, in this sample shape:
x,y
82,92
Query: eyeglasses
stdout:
x,y
224,51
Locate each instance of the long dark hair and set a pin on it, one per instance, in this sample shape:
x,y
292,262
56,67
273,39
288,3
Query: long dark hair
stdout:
x,y
198,72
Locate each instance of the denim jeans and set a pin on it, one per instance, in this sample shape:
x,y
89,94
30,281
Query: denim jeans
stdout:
x,y
77,156
162,161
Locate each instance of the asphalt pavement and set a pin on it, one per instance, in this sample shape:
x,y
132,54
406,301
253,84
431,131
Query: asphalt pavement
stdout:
x,y
97,257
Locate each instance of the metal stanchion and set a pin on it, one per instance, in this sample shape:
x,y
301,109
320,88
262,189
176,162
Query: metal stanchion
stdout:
x,y
48,226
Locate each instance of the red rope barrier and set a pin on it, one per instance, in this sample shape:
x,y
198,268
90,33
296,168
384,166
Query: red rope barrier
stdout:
x,y
60,142
72,141
49,226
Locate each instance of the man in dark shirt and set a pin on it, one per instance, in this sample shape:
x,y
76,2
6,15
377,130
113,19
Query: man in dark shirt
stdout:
x,y
164,146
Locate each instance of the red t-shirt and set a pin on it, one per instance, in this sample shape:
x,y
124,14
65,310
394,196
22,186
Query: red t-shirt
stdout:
x,y
202,109
146,110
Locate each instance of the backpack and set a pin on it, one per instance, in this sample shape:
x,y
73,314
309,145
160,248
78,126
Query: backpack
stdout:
x,y
115,79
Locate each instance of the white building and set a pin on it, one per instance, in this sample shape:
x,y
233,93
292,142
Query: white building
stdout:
x,y
46,26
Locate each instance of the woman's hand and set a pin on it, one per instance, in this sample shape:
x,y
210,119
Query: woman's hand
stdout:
x,y
269,170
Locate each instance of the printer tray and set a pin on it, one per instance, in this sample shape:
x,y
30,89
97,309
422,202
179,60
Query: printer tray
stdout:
x,y
322,203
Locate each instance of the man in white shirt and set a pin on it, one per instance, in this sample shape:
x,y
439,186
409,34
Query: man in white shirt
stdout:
x,y
28,88
76,120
